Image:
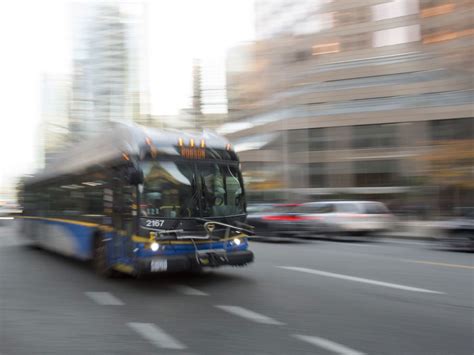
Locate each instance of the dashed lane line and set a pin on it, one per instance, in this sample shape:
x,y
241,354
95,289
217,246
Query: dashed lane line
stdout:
x,y
250,315
156,336
459,266
189,291
358,279
327,345
104,298
406,242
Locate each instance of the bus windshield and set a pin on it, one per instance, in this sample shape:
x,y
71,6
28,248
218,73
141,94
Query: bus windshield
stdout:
x,y
180,189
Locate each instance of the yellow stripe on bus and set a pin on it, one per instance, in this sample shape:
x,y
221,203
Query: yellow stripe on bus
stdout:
x,y
71,221
139,239
135,238
124,268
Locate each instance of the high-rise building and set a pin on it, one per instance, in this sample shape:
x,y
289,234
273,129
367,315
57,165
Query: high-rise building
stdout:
x,y
197,88
54,126
108,52
274,18
354,106
244,78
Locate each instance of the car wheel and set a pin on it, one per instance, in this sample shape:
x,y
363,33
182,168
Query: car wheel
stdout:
x,y
462,240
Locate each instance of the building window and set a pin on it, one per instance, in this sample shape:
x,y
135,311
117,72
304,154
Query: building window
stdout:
x,y
437,10
317,175
355,42
394,8
317,139
301,56
298,140
303,140
397,35
460,30
374,136
373,173
352,16
326,48
340,174
454,129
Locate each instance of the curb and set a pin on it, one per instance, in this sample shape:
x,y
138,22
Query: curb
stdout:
x,y
408,237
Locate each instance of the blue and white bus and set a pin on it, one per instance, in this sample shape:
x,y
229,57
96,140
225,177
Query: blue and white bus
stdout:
x,y
139,200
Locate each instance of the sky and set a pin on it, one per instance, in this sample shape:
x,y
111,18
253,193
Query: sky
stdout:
x,y
35,39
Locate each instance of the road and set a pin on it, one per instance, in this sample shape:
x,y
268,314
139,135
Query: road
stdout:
x,y
316,297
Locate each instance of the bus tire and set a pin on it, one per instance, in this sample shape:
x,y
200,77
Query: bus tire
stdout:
x,y
99,259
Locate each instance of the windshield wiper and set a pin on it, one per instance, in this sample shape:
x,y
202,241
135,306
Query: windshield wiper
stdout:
x,y
195,197
240,229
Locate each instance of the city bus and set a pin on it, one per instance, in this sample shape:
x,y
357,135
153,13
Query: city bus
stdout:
x,y
138,200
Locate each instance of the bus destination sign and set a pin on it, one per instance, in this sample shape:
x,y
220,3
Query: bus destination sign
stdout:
x,y
193,152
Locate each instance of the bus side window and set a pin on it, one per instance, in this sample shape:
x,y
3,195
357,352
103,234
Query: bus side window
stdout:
x,y
93,193
66,198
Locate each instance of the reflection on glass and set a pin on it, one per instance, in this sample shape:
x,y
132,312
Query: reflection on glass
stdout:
x,y
183,189
169,190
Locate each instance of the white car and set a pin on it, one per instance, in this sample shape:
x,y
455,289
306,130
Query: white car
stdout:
x,y
353,218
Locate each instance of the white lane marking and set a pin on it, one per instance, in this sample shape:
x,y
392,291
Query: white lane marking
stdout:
x,y
406,242
248,314
359,279
459,266
350,244
328,345
104,298
156,336
189,291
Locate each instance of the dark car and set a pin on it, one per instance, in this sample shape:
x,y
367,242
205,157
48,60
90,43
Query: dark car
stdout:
x,y
275,220
458,232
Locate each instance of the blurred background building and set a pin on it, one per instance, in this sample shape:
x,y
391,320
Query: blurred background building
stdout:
x,y
109,68
54,126
360,99
109,81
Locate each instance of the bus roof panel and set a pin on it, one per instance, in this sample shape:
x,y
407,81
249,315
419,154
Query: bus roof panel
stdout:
x,y
119,139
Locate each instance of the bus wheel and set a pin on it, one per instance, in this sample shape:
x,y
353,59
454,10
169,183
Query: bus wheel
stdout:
x,y
99,260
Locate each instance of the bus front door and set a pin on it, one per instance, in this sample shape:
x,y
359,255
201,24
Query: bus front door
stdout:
x,y
123,221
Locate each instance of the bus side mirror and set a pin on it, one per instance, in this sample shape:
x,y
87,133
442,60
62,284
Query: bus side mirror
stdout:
x,y
135,177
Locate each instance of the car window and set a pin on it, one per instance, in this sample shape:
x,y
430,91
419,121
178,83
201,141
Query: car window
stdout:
x,y
375,208
316,208
348,208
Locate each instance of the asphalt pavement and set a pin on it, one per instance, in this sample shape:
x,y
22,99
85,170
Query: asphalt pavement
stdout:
x,y
308,297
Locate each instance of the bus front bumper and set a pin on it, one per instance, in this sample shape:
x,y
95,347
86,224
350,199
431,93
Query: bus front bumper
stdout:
x,y
177,263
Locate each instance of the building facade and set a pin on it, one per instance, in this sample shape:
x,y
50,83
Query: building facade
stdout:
x,y
358,103
54,125
109,83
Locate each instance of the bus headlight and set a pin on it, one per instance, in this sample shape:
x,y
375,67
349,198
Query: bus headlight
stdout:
x,y
237,241
154,246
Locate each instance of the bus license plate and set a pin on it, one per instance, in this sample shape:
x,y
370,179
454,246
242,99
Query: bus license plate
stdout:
x,y
159,265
